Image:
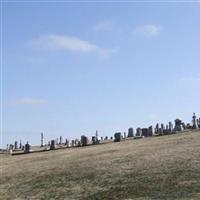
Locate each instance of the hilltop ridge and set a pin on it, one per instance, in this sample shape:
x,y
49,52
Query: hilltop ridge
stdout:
x,y
153,168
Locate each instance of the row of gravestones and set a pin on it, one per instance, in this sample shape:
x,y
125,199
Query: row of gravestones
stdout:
x,y
140,132
163,130
84,141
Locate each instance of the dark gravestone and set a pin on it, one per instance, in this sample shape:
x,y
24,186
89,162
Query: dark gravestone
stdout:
x,y
53,145
170,127
16,145
27,148
145,132
178,124
84,140
130,132
150,131
138,132
117,137
194,124
199,123
60,142
42,139
157,128
163,127
95,139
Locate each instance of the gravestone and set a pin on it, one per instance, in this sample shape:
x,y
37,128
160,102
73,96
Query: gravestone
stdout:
x,y
95,139
60,142
117,137
178,124
16,145
150,131
194,124
53,145
97,136
145,132
27,148
157,128
130,132
199,123
170,127
20,144
42,139
84,140
163,127
138,132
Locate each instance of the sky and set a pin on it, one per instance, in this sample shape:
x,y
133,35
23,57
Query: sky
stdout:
x,y
71,68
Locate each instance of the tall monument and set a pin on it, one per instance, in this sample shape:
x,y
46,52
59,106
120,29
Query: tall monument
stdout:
x,y
194,122
42,139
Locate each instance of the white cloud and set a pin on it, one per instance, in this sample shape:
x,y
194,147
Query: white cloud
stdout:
x,y
69,43
31,101
147,30
105,25
191,79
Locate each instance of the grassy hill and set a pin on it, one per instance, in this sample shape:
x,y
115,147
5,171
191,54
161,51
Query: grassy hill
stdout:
x,y
165,167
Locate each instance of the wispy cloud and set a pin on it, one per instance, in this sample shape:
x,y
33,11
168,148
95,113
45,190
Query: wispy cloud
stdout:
x,y
148,30
191,79
31,101
105,25
69,43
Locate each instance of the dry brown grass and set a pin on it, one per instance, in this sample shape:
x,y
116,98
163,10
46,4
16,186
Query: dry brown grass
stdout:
x,y
165,167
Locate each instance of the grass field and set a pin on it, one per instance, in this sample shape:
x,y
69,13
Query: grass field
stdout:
x,y
165,167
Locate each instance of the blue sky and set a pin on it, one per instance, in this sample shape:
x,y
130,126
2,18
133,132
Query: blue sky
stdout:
x,y
74,68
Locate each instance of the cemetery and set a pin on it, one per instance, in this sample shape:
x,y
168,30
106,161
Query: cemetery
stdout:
x,y
56,144
164,166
